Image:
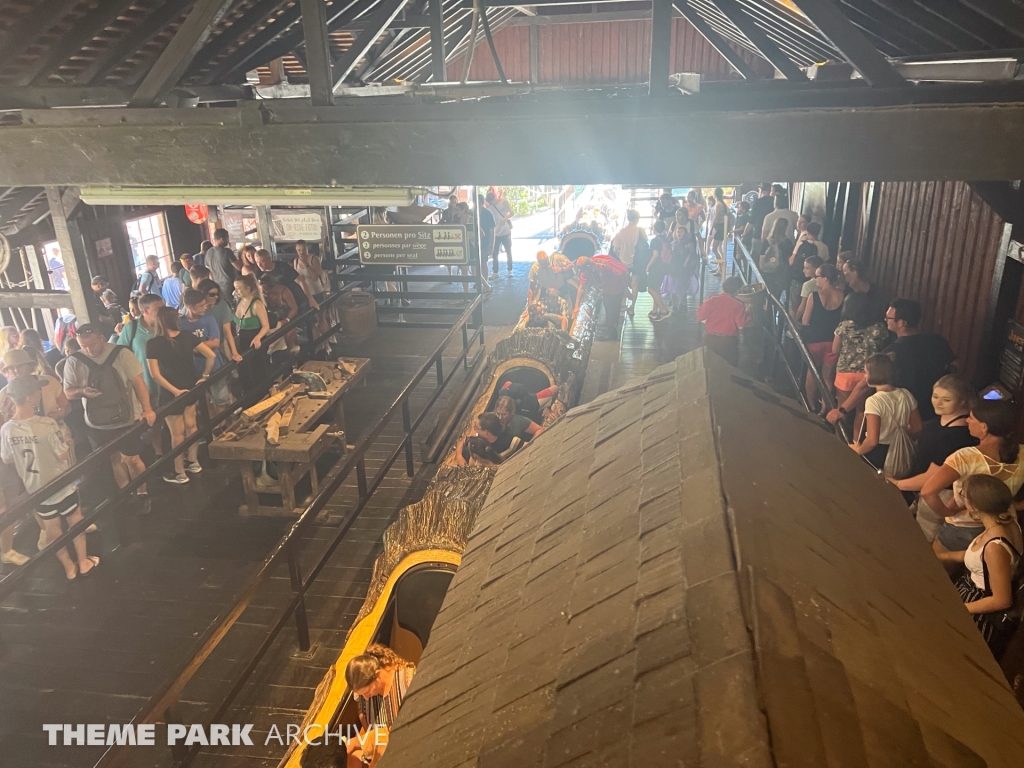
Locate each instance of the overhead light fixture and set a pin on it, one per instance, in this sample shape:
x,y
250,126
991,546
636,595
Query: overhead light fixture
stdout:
x,y
376,196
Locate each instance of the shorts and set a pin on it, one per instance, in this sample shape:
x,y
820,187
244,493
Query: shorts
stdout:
x,y
818,350
101,437
166,398
847,381
956,538
64,507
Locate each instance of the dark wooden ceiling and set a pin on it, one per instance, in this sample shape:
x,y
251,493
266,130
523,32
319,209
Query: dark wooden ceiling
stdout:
x,y
115,42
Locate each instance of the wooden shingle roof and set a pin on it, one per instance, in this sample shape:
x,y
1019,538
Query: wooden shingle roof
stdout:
x,y
688,572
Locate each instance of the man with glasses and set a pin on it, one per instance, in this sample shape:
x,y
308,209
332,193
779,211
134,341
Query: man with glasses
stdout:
x,y
921,360
218,308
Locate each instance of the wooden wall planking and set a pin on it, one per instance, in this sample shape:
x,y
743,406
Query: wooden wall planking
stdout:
x,y
938,243
598,53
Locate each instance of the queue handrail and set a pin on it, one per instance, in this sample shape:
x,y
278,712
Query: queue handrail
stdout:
x,y
97,458
167,695
779,310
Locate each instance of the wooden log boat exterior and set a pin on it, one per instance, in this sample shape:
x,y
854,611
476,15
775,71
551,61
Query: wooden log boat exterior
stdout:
x,y
423,548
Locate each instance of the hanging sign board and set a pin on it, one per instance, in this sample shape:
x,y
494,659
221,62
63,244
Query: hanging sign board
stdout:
x,y
297,225
1011,359
234,222
410,244
197,213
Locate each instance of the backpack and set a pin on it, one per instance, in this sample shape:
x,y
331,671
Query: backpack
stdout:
x,y
114,406
900,458
156,285
772,260
806,250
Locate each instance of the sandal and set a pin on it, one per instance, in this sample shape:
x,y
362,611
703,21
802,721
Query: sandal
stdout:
x,y
95,562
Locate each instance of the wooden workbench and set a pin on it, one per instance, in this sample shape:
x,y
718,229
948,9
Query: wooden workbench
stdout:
x,y
297,452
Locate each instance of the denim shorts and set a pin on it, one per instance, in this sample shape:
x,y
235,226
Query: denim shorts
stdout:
x,y
956,538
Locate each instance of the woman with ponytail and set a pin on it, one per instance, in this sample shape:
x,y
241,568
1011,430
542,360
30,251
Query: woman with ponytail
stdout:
x,y
992,423
989,582
379,678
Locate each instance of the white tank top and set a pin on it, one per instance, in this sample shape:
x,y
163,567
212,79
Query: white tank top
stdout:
x,y
973,560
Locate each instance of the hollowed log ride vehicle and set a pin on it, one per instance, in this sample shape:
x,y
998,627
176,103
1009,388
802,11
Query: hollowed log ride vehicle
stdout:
x,y
424,547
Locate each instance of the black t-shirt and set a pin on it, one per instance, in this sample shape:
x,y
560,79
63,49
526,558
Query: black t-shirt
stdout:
x,y
921,360
761,208
936,443
287,276
174,356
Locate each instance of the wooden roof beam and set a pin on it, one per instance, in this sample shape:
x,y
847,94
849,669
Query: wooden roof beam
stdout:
x,y
378,21
757,37
132,40
318,52
83,31
719,43
851,42
256,15
879,136
33,25
183,47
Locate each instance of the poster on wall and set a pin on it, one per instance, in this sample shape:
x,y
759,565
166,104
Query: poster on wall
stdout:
x,y
104,248
292,225
234,223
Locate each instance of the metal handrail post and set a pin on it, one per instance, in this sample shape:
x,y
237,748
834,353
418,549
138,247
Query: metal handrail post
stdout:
x,y
410,467
301,620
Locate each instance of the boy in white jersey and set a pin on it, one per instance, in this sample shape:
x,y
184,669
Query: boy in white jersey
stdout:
x,y
35,446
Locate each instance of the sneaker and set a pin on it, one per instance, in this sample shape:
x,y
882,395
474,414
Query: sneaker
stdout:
x,y
145,506
193,467
41,543
174,479
92,528
509,273
14,557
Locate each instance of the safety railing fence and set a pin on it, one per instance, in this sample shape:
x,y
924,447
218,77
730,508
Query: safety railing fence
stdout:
x,y
98,460
161,705
780,330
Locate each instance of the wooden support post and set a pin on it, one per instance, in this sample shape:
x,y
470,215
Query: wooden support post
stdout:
x,y
534,55
266,226
318,52
661,47
37,269
437,53
72,250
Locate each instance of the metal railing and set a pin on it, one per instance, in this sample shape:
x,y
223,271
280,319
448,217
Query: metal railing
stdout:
x,y
160,705
99,459
779,327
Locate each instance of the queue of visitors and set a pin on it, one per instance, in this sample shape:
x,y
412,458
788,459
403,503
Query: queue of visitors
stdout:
x,y
119,371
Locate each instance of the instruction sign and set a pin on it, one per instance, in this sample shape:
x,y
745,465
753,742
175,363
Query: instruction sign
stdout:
x,y
410,244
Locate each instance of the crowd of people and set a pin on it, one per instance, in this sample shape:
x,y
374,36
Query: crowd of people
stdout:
x,y
955,456
110,375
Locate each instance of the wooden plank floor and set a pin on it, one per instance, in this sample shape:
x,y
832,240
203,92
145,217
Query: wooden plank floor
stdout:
x,y
95,650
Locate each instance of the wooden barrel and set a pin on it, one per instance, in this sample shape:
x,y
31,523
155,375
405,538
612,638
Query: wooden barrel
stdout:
x,y
358,314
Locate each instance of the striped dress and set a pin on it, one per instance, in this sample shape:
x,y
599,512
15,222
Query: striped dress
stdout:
x,y
382,710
